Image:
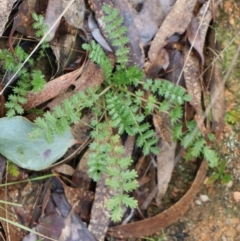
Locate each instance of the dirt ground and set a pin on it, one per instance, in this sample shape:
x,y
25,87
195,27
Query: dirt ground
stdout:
x,y
214,215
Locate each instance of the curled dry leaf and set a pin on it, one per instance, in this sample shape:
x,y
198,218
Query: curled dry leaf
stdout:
x,y
152,225
175,22
165,158
51,89
198,27
80,200
192,81
219,105
100,215
53,11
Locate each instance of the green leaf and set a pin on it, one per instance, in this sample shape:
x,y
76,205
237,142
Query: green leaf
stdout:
x,y
128,174
129,201
116,214
33,154
211,156
113,183
197,147
226,178
130,186
232,116
187,98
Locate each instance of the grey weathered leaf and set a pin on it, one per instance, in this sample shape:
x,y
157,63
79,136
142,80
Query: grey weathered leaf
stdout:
x,y
33,154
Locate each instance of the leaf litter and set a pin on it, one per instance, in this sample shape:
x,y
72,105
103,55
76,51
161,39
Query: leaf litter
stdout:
x,y
143,25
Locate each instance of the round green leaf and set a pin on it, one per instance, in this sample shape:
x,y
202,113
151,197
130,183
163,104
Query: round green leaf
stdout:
x,y
33,154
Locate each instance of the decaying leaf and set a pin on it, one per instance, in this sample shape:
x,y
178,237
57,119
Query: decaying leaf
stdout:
x,y
148,15
152,225
219,106
165,158
175,67
100,215
192,81
53,11
161,125
33,154
175,22
80,200
52,89
198,27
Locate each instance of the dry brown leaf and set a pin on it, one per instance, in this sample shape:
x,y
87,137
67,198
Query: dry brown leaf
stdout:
x,y
100,215
192,80
152,225
162,128
53,11
176,22
92,76
64,169
219,105
165,163
83,197
165,158
175,67
198,27
51,89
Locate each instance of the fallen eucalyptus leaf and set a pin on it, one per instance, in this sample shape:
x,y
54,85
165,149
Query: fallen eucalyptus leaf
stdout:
x,y
33,154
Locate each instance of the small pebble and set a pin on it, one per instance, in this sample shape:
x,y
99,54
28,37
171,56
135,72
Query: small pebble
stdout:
x,y
224,238
204,198
229,184
236,196
198,202
238,228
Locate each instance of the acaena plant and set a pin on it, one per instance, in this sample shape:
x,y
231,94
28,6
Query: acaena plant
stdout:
x,y
118,108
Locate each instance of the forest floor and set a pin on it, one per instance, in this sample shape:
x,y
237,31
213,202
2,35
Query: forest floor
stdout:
x,y
214,213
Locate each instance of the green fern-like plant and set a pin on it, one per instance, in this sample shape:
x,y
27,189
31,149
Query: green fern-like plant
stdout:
x,y
106,157
40,29
116,32
124,111
28,80
197,146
